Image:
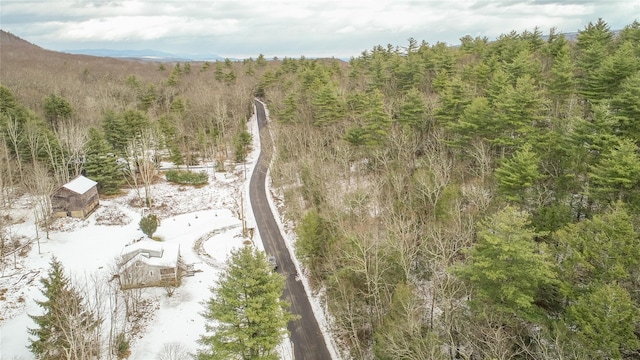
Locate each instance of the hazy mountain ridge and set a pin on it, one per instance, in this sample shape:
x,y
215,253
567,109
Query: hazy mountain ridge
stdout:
x,y
10,40
145,54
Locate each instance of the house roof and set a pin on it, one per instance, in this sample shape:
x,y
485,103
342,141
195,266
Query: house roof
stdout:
x,y
169,254
80,184
164,261
145,245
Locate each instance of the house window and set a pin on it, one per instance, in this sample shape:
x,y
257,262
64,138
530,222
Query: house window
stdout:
x,y
150,273
129,276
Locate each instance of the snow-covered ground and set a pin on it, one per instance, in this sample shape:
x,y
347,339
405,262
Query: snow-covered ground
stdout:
x,y
205,222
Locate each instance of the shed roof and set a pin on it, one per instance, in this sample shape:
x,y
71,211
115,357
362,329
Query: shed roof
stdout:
x,y
80,184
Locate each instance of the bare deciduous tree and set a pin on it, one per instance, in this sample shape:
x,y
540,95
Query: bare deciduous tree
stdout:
x,y
6,177
173,351
490,339
41,187
141,166
480,152
73,138
33,135
14,132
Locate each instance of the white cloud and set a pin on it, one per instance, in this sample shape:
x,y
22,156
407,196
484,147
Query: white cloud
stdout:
x,y
291,28
346,30
121,28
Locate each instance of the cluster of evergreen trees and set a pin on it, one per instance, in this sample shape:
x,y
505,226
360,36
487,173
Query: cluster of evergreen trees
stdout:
x,y
478,201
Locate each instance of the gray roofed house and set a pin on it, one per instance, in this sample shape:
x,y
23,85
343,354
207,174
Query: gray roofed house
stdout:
x,y
150,263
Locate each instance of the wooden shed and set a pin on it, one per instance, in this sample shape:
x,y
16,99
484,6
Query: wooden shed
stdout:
x,y
77,198
150,263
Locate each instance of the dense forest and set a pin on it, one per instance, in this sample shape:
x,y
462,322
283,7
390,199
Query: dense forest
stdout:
x,y
471,202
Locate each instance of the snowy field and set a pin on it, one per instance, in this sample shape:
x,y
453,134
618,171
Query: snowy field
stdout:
x,y
205,222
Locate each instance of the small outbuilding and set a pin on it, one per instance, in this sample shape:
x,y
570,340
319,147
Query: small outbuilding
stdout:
x,y
77,198
150,263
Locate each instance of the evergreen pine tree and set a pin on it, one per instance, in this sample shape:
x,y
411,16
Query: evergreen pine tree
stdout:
x,y
327,108
605,319
66,329
631,34
56,109
523,64
314,242
355,136
604,249
135,122
594,44
497,86
626,105
170,138
102,164
246,314
453,100
261,61
410,72
518,113
615,69
149,225
377,121
8,103
617,175
290,108
477,121
518,175
48,341
413,111
115,132
562,83
507,267
591,138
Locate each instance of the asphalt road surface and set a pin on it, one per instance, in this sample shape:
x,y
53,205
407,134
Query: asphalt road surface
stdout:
x,y
307,339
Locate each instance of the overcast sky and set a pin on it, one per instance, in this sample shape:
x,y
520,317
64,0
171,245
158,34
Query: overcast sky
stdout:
x,y
313,28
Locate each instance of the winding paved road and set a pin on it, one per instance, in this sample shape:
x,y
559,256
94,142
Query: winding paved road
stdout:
x,y
307,339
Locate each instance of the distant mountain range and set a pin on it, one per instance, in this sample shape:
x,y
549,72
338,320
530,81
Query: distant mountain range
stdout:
x,y
147,54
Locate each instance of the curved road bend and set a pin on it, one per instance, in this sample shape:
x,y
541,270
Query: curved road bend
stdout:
x,y
307,339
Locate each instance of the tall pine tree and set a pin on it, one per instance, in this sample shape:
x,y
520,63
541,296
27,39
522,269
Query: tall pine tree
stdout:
x,y
246,314
102,164
507,267
594,43
326,105
67,328
518,175
617,175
